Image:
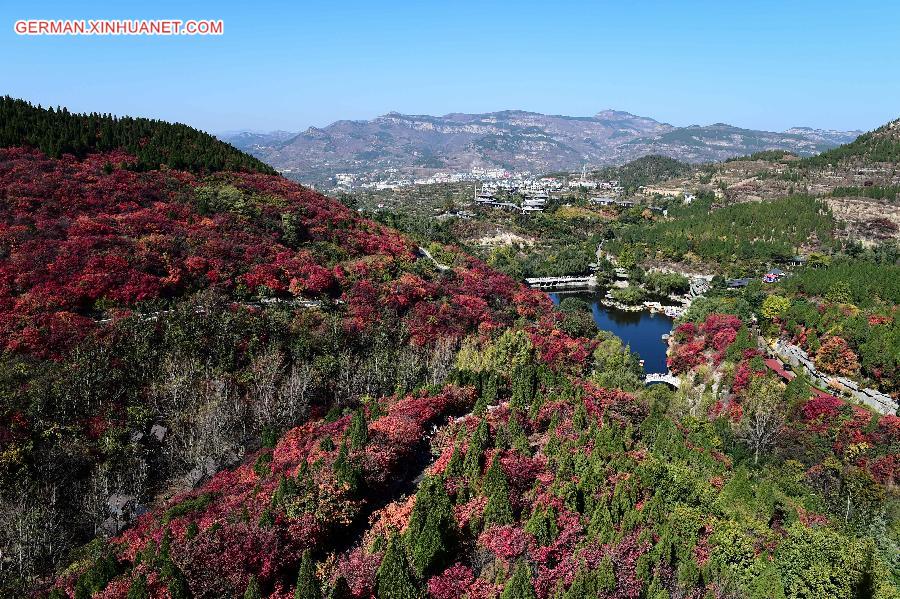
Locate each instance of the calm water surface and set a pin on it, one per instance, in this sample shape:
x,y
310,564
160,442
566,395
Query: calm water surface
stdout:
x,y
643,331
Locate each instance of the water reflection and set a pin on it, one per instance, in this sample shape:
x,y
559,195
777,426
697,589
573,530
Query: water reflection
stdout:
x,y
642,331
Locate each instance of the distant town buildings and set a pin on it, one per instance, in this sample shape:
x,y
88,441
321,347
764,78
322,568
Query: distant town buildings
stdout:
x,y
608,201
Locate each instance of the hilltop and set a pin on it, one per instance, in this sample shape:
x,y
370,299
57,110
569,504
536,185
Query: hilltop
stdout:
x,y
859,181
880,145
152,143
514,140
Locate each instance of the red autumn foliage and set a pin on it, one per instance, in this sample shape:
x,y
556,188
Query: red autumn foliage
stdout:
x,y
81,240
836,357
506,542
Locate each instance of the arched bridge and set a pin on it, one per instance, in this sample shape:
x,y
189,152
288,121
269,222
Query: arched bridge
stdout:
x,y
662,377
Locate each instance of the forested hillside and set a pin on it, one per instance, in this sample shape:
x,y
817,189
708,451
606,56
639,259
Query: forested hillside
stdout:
x,y
880,145
734,234
153,143
222,384
645,171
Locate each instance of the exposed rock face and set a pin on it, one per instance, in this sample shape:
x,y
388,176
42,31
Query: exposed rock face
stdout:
x,y
511,139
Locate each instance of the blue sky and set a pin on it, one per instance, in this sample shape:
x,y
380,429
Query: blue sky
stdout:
x,y
289,65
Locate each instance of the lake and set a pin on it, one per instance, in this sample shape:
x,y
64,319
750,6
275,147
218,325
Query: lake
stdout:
x,y
642,330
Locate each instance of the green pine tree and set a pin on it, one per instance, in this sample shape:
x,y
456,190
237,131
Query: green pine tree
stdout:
x,y
606,577
498,509
656,590
454,467
358,431
393,579
584,586
340,590
432,530
477,444
138,588
253,591
307,583
523,382
346,472
519,586
542,524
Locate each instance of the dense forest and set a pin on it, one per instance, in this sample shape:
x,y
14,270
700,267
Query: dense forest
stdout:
x,y
153,143
746,232
880,145
644,171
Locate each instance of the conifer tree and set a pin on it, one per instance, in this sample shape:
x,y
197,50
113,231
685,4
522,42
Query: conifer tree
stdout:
x,y
656,590
431,532
178,586
584,586
542,524
393,579
498,509
601,525
252,591
138,588
346,471
358,431
519,586
287,487
307,583
481,405
340,590
490,390
515,434
477,444
606,578
523,381
454,467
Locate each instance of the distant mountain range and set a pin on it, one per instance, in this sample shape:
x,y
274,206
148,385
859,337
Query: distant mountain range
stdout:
x,y
512,139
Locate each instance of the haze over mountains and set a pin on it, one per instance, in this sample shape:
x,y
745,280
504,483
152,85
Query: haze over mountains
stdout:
x,y
512,139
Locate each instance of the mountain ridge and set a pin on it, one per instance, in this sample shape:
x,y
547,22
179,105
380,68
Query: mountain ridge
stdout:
x,y
513,140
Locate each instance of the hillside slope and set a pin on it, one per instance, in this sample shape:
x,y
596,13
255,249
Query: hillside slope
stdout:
x,y
238,387
154,143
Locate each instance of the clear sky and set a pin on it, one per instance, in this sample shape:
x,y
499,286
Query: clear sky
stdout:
x,y
289,65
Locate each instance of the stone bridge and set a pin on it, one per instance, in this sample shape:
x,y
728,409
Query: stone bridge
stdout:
x,y
662,377
578,282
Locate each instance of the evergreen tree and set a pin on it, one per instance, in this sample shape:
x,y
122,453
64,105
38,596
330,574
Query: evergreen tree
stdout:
x,y
346,472
498,509
307,583
584,586
523,383
490,391
606,578
515,434
454,467
431,533
340,590
393,579
519,586
154,143
138,588
253,591
542,524
178,586
358,431
477,444
656,590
